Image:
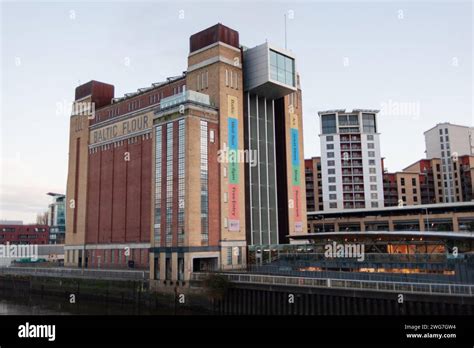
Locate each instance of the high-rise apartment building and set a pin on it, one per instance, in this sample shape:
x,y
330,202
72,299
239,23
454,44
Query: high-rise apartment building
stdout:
x,y
448,142
402,188
189,172
432,183
350,159
314,184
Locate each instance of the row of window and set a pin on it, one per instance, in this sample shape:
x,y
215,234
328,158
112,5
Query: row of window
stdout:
x,y
136,104
231,79
204,184
202,80
13,229
115,144
329,125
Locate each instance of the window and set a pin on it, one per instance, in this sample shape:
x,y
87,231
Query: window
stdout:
x,y
158,183
328,123
372,170
348,120
371,153
370,137
330,154
331,163
446,131
413,181
331,171
368,123
373,179
211,136
373,196
229,256
282,68
204,184
330,146
403,190
227,77
440,132
373,187
415,199
332,196
206,79
226,197
374,204
371,162
330,138
332,179
332,188
332,205
402,181
239,256
370,145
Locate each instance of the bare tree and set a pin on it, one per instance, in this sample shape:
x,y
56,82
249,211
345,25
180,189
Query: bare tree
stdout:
x,y
42,218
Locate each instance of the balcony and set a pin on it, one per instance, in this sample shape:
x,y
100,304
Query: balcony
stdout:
x,y
349,130
348,123
187,96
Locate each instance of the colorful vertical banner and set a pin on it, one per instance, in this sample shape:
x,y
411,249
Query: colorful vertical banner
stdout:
x,y
296,171
233,139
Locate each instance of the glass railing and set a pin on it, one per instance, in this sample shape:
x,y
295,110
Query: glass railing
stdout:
x,y
184,97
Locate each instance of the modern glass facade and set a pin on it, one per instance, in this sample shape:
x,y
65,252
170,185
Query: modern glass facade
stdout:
x,y
282,68
204,185
262,177
57,219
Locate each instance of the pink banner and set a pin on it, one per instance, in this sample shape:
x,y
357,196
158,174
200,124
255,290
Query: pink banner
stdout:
x,y
233,202
297,203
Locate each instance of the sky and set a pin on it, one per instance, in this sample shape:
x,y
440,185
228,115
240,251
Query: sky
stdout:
x,y
411,60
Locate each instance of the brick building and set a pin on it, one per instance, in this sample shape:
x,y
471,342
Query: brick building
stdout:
x,y
24,234
162,176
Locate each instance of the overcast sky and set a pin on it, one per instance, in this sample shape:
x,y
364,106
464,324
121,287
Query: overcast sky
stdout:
x,y
385,55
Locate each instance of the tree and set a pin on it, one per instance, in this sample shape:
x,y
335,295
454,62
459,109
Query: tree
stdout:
x,y
42,218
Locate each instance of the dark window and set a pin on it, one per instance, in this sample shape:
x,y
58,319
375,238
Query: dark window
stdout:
x,y
368,123
328,124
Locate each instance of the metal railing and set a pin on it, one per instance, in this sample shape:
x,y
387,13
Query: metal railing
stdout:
x,y
368,285
77,273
